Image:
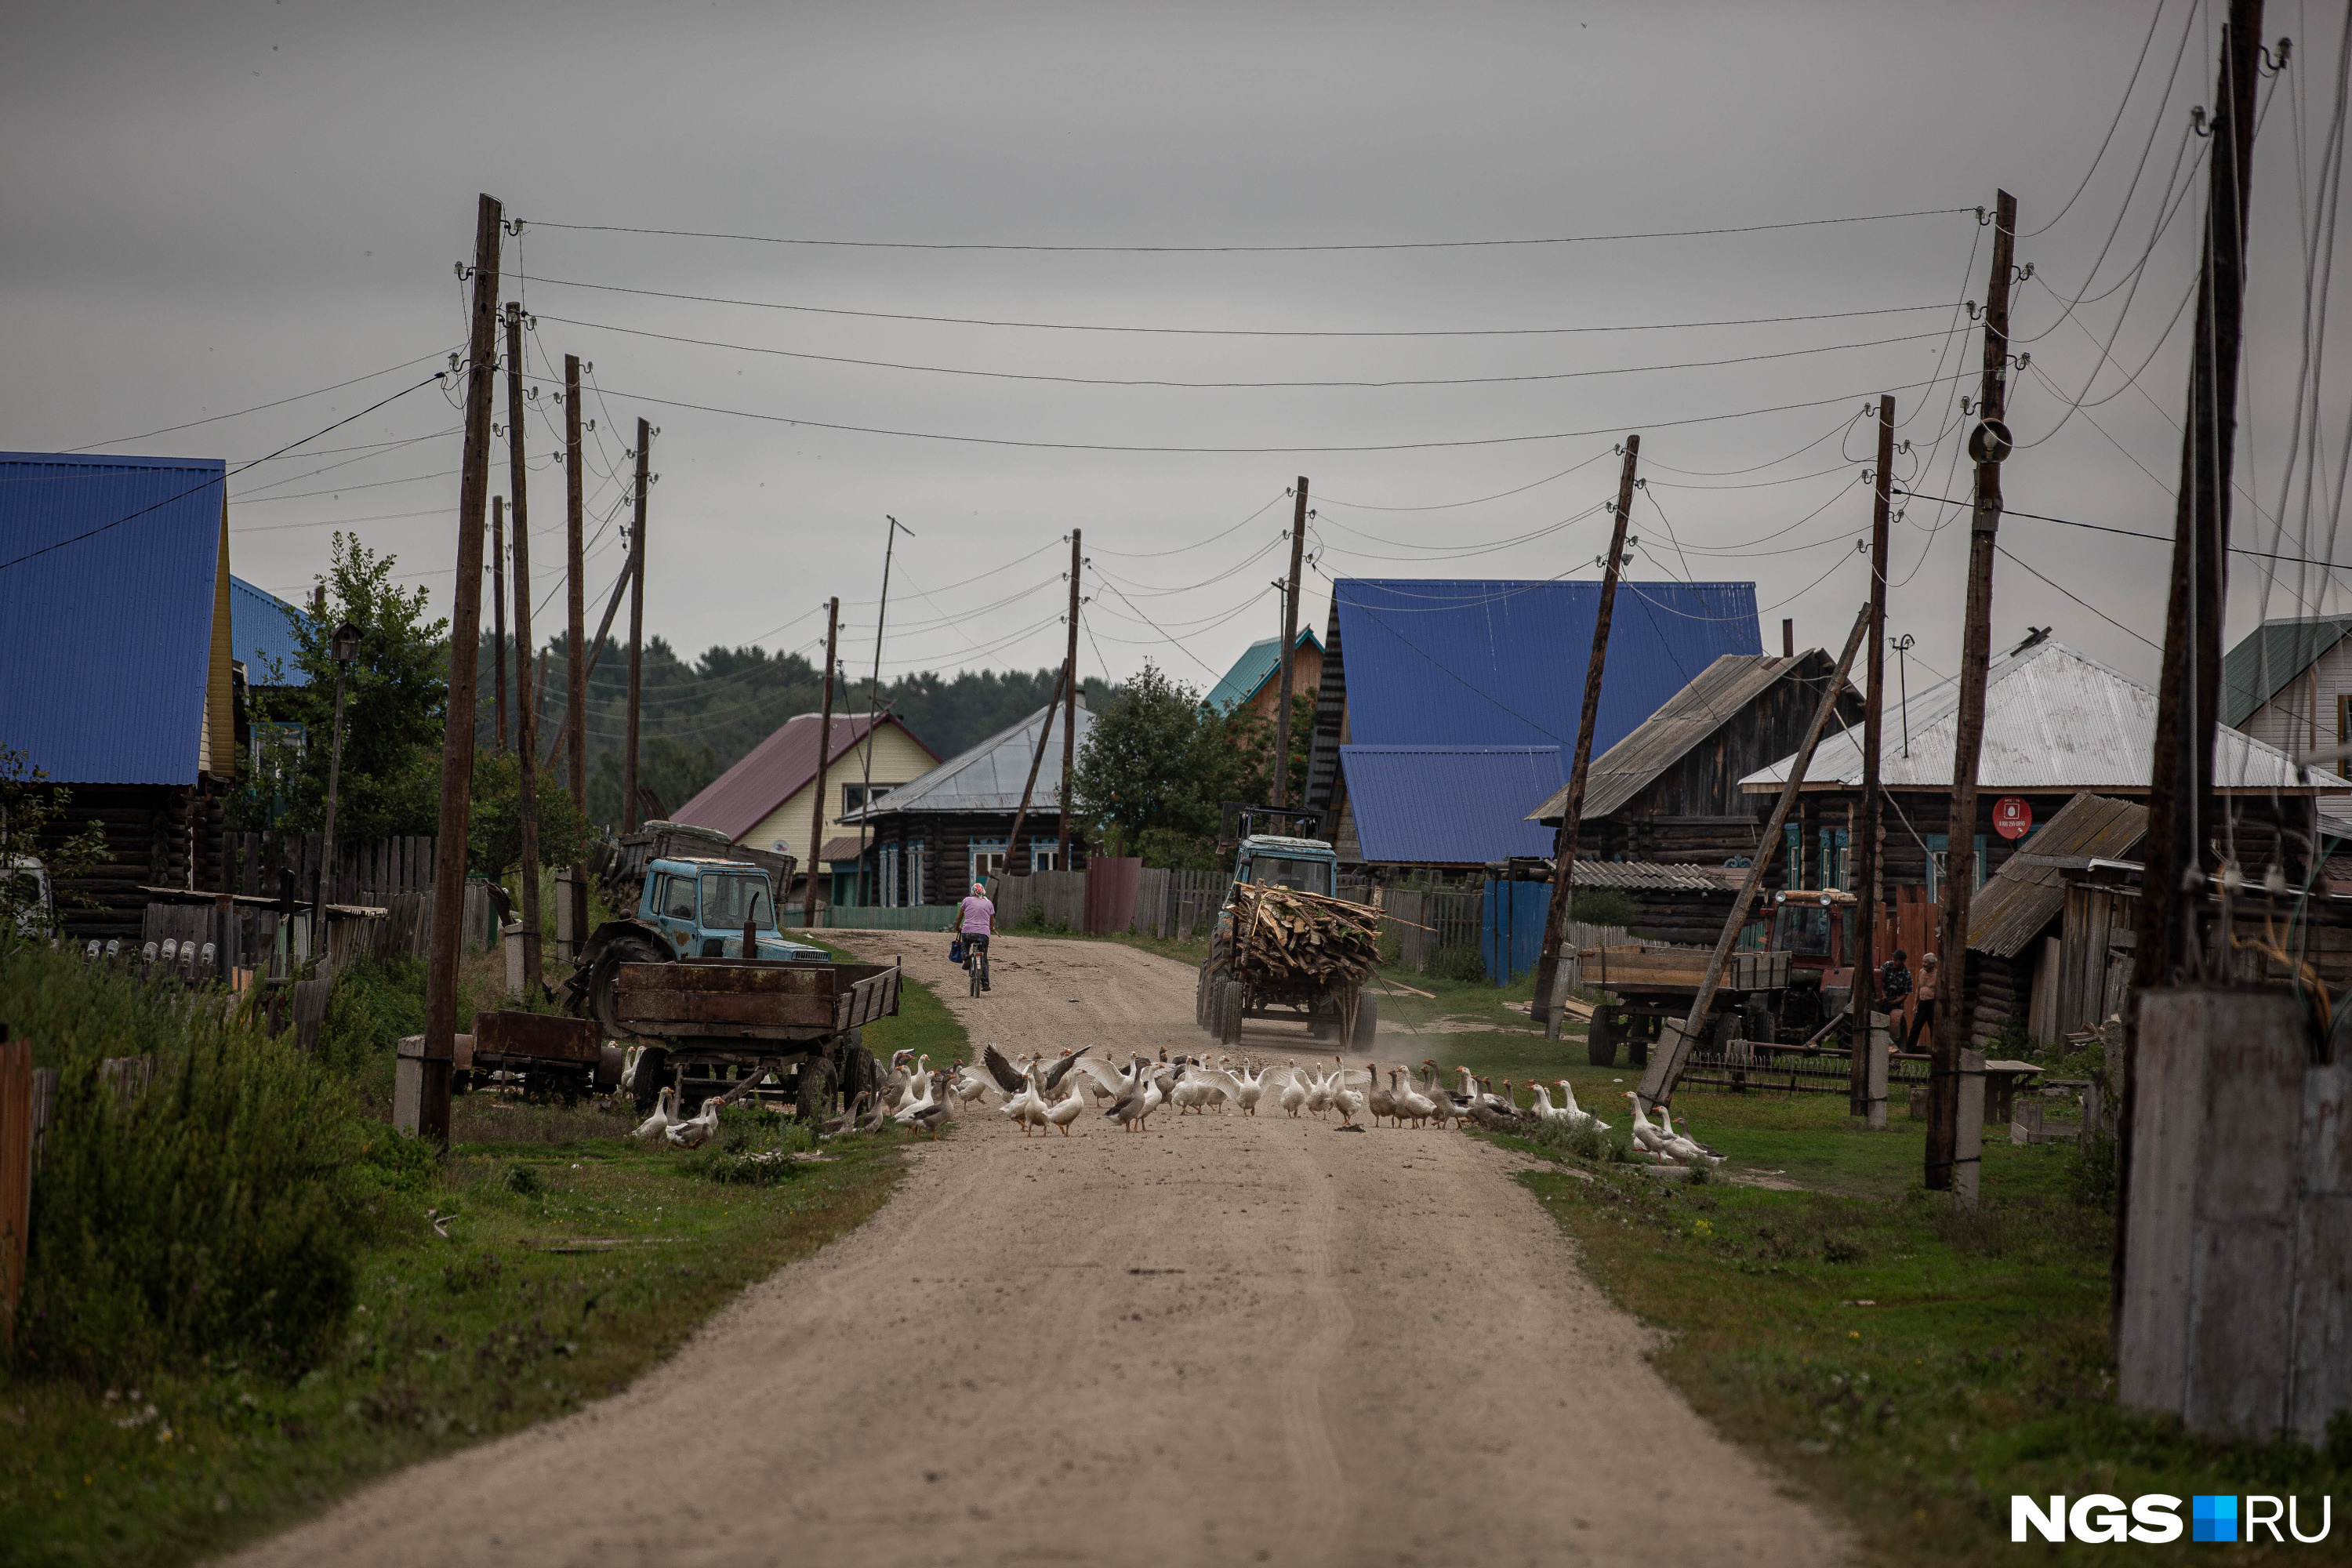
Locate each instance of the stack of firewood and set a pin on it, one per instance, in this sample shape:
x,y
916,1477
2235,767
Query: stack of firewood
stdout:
x,y
1284,933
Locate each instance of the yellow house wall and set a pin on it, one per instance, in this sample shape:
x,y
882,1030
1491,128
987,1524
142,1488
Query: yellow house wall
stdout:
x,y
897,760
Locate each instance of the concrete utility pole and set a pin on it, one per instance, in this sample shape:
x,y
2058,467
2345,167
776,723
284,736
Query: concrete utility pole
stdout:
x,y
1070,703
464,652
1563,848
1281,791
1988,443
498,624
824,749
576,525
637,631
1873,715
2182,812
526,694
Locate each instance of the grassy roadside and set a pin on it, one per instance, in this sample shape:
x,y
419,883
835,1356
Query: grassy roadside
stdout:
x,y
546,1262
924,1024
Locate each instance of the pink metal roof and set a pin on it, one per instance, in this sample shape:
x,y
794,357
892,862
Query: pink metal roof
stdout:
x,y
768,776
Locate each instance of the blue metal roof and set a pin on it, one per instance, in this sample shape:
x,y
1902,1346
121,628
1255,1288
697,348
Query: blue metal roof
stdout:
x,y
1449,805
1501,663
107,588
260,633
1258,662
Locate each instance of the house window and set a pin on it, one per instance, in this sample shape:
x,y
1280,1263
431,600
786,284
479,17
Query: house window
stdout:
x,y
986,859
1836,862
853,796
915,872
1044,854
1939,851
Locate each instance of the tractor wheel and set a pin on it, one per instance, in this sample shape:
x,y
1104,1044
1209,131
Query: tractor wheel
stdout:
x,y
653,1068
815,1101
1229,1013
625,950
1368,1019
1600,1039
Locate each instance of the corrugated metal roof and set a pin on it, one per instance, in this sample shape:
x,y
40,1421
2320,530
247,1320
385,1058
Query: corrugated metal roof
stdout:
x,y
1464,663
1448,805
988,778
739,799
2054,719
2029,889
2271,655
108,581
1662,875
842,847
260,638
1259,663
1689,717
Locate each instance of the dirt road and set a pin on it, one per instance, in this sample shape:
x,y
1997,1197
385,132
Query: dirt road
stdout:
x,y
1220,1341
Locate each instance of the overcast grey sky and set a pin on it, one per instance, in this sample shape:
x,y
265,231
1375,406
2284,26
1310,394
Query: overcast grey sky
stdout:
x,y
218,206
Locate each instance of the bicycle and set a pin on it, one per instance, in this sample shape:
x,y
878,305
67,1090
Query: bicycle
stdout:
x,y
975,962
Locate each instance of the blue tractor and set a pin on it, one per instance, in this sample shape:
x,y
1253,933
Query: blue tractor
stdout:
x,y
1233,987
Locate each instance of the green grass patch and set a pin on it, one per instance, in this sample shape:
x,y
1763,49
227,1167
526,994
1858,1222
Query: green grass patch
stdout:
x,y
924,1024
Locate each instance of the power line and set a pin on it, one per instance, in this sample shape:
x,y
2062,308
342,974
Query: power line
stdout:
x,y
2130,534
259,407
1225,331
1243,249
2087,603
2121,104
222,481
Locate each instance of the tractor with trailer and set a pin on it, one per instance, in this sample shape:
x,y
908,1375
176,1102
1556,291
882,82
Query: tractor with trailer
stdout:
x,y
1286,946
701,978
1787,990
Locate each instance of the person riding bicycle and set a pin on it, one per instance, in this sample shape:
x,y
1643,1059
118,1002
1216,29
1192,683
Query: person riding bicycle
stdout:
x,y
975,919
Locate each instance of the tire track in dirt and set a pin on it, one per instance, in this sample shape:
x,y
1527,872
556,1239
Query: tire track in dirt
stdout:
x,y
1223,1340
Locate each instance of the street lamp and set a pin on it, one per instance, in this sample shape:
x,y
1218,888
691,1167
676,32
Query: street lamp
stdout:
x,y
344,645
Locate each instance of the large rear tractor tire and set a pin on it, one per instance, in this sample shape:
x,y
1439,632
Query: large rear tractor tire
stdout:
x,y
601,1000
653,1076
1230,998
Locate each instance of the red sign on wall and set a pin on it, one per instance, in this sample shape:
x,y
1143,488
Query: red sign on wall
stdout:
x,y
2011,816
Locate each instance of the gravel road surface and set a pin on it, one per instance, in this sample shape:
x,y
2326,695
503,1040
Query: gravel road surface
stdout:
x,y
1220,1341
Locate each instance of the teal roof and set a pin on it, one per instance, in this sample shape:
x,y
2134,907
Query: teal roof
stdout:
x,y
2274,653
1258,661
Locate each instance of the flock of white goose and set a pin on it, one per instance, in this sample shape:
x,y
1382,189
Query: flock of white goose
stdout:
x,y
1043,1094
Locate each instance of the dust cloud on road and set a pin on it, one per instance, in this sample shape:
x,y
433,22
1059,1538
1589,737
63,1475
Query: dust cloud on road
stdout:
x,y
1220,1341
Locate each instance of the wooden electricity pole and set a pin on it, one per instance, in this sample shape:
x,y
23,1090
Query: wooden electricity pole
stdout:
x,y
1873,715
449,928
2181,807
1070,705
637,632
1037,760
498,624
874,706
1280,792
526,695
1988,443
1563,847
823,748
575,675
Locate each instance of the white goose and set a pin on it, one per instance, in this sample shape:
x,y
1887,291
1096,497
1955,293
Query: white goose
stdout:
x,y
1411,1103
698,1131
1067,1111
1647,1139
1567,1099
665,1109
1135,1107
1252,1089
1295,1093
1684,1147
1347,1102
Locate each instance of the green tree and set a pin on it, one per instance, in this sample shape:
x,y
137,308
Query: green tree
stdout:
x,y
395,705
494,832
1154,770
674,770
34,826
1250,734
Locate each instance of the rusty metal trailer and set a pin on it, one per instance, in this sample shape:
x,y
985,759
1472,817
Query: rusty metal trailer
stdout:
x,y
1645,986
703,1020
552,1058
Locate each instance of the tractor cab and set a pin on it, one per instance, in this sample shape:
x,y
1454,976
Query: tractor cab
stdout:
x,y
1308,865
701,906
1814,927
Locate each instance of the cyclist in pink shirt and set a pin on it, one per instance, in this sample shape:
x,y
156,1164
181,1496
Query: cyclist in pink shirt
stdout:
x,y
975,919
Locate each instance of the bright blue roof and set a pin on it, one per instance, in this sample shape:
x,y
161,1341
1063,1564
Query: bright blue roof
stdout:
x,y
1449,805
258,633
1261,659
107,582
1501,663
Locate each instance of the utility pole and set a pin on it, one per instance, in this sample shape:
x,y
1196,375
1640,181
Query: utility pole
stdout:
x,y
465,653
1873,716
1036,759
564,726
499,622
1070,704
2181,809
575,675
1281,791
823,747
1988,443
526,695
637,631
1563,847
873,693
